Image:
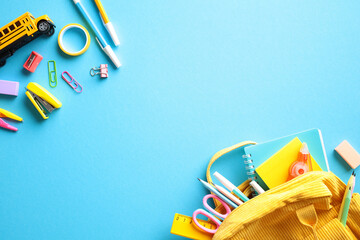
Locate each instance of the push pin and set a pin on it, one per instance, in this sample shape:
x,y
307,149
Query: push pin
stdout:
x,y
103,71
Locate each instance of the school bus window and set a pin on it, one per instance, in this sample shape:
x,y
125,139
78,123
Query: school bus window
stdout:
x,y
21,31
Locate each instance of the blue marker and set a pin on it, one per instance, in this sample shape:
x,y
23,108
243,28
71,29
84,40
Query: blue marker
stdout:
x,y
217,193
100,39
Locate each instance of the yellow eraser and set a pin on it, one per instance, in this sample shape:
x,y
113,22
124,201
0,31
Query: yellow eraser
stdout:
x,y
349,154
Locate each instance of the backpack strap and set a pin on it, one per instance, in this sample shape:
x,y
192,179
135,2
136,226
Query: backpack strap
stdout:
x,y
308,217
220,154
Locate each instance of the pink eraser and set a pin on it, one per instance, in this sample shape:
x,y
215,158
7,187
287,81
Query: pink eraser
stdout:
x,y
9,88
349,154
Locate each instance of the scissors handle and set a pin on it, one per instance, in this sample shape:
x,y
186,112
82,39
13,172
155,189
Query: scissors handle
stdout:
x,y
206,205
208,215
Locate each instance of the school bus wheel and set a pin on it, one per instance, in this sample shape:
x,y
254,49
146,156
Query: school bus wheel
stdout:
x,y
43,26
2,62
51,31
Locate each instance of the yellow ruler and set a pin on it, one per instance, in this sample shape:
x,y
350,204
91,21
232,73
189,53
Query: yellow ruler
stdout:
x,y
183,226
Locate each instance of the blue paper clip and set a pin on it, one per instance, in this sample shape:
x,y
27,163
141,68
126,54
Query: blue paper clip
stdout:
x,y
72,82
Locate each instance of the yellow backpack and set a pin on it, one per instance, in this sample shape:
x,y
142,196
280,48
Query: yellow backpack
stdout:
x,y
284,211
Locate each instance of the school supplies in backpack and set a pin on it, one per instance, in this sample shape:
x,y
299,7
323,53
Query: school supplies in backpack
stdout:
x,y
306,207
275,170
257,154
279,212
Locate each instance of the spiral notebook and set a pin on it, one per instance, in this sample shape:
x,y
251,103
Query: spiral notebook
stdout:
x,y
255,155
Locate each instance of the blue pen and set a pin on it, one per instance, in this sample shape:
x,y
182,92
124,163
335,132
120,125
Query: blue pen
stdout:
x,y
217,193
100,39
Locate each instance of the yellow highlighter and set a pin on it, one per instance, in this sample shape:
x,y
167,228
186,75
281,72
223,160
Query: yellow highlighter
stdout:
x,y
108,25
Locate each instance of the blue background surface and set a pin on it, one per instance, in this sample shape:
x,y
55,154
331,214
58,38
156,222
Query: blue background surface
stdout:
x,y
119,159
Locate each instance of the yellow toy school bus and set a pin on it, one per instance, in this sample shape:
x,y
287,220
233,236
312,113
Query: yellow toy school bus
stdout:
x,y
21,31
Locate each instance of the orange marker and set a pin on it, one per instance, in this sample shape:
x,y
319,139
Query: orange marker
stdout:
x,y
302,164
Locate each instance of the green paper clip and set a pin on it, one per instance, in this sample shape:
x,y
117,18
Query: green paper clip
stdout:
x,y
52,80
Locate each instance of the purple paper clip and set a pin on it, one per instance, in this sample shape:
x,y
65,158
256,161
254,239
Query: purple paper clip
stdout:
x,y
72,82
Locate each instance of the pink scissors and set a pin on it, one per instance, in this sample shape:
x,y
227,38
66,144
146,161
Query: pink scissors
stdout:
x,y
212,215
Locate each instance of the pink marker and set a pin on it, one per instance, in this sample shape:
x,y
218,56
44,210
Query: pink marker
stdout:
x,y
5,125
7,114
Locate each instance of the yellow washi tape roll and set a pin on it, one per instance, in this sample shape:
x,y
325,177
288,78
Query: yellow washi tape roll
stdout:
x,y
61,44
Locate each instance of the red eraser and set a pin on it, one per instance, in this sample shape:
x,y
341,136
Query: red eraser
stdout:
x,y
33,61
349,154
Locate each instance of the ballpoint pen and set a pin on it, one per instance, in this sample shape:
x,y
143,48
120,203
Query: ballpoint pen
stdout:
x,y
108,25
104,46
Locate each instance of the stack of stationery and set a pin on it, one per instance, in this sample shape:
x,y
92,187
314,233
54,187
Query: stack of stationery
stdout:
x,y
270,154
275,170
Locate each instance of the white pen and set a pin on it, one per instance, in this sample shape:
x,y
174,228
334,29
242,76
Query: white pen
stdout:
x,y
100,39
257,187
108,25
